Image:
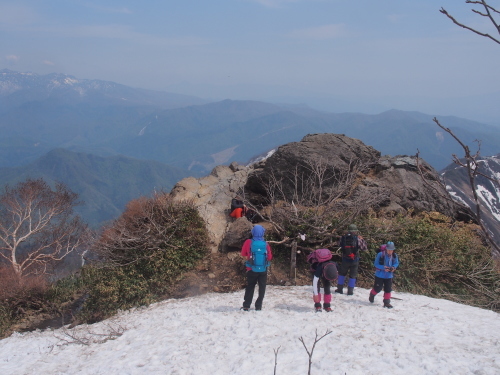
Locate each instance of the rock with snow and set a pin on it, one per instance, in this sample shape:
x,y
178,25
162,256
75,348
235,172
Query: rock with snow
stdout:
x,y
488,192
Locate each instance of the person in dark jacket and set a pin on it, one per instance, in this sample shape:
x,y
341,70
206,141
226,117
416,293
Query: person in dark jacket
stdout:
x,y
255,275
351,244
385,263
238,208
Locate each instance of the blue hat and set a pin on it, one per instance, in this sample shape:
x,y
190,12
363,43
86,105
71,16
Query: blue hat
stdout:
x,y
390,246
258,232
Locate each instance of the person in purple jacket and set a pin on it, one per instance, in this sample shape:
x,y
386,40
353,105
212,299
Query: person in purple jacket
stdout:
x,y
385,263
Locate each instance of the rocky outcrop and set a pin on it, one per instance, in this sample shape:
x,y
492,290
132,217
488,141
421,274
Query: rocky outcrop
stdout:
x,y
212,196
394,181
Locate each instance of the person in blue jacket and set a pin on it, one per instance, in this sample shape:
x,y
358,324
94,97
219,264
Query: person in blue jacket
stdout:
x,y
385,263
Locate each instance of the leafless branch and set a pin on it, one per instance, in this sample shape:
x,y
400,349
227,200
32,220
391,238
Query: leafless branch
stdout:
x,y
471,165
311,352
276,358
82,335
37,227
487,13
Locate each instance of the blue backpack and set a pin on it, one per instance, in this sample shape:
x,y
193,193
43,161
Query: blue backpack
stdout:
x,y
258,261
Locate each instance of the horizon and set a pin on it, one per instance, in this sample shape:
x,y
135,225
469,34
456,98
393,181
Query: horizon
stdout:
x,y
331,55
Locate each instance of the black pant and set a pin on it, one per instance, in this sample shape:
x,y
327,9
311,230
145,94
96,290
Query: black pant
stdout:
x,y
327,284
382,283
349,267
252,279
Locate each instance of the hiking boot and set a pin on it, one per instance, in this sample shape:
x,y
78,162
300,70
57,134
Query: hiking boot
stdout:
x,y
350,291
317,308
258,308
327,309
245,308
387,303
371,298
339,290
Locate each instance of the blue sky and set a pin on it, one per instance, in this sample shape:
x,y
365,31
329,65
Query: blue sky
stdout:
x,y
362,55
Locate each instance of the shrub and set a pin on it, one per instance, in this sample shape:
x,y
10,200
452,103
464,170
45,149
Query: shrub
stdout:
x,y
439,258
19,296
142,254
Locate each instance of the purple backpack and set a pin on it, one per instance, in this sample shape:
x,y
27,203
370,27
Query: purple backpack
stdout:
x,y
319,256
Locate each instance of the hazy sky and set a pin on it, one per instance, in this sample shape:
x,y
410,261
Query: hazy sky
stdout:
x,y
393,53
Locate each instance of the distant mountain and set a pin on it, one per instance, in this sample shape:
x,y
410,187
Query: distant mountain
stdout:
x,y
59,111
104,184
457,183
41,112
200,137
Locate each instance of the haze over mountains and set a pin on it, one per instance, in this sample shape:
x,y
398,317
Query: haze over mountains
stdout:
x,y
191,135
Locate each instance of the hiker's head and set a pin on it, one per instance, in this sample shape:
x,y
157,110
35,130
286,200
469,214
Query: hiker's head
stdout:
x,y
330,272
258,232
390,247
352,228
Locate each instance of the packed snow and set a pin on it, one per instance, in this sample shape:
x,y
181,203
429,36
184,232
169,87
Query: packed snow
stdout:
x,y
209,334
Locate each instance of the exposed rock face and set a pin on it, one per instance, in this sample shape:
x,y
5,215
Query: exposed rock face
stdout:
x,y
400,176
458,185
212,196
236,234
395,182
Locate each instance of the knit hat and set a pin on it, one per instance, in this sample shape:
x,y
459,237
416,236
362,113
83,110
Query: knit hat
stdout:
x,y
390,246
330,271
352,228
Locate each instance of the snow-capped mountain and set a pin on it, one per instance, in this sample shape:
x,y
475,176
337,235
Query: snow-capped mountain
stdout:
x,y
17,88
488,192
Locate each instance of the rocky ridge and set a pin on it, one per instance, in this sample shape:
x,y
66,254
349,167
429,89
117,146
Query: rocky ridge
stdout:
x,y
393,178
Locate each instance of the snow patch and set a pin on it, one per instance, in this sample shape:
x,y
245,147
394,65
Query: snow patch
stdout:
x,y
454,195
489,200
209,334
70,81
262,158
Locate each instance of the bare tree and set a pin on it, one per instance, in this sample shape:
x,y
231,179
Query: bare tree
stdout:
x,y
488,12
311,352
471,160
37,226
470,163
312,196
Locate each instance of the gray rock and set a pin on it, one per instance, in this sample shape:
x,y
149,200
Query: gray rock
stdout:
x,y
237,233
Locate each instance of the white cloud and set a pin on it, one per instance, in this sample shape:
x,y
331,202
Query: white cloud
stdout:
x,y
13,58
47,62
331,31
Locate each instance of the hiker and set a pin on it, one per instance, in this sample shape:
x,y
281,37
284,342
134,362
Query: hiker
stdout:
x,y
385,263
324,272
350,243
258,254
238,208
